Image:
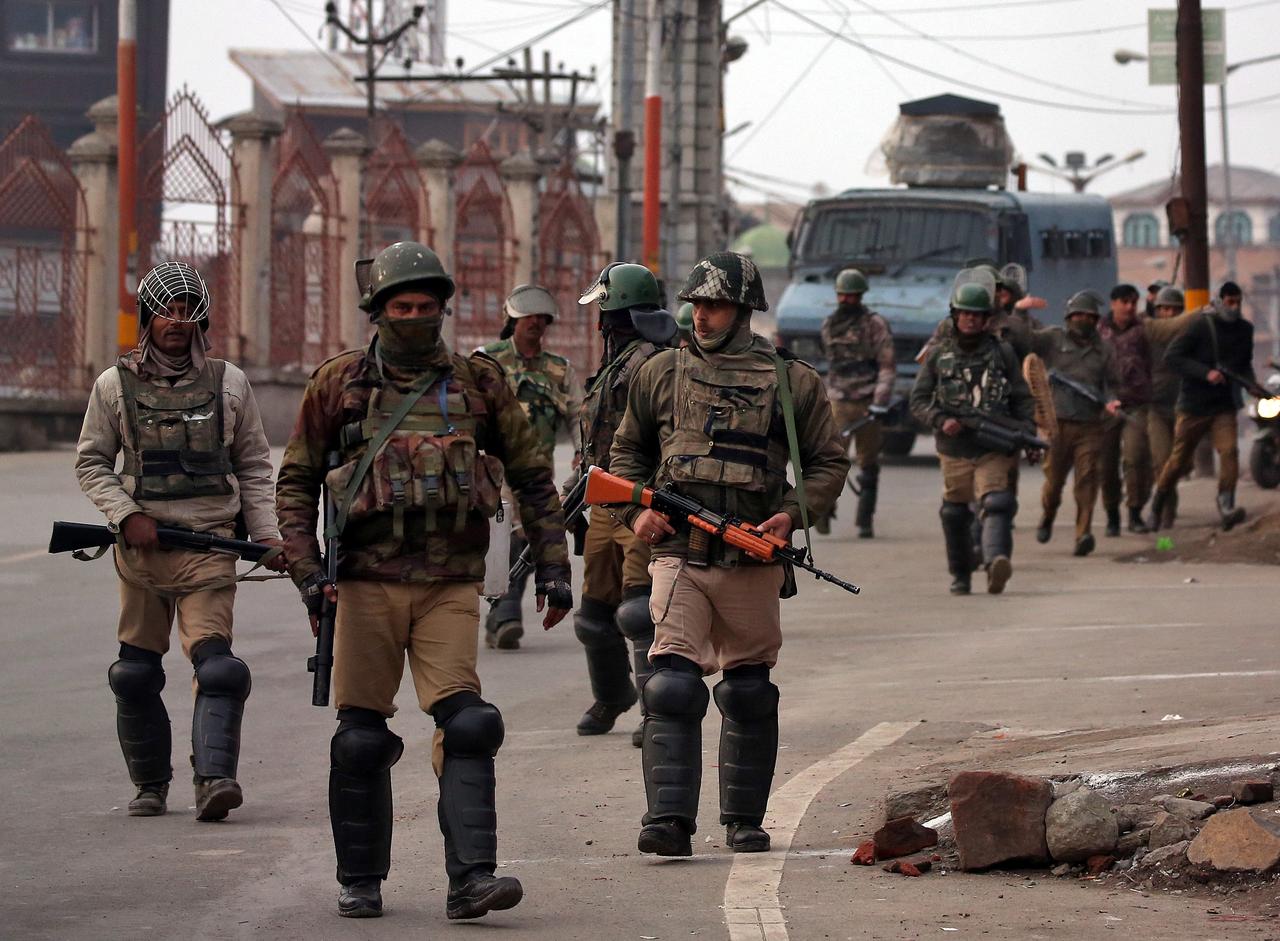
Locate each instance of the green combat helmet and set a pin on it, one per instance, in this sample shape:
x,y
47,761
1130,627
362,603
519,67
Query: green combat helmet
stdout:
x,y
971,296
622,286
1084,302
851,281
684,318
1170,296
981,276
397,265
725,276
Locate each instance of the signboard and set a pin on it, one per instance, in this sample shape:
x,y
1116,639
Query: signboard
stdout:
x,y
1162,46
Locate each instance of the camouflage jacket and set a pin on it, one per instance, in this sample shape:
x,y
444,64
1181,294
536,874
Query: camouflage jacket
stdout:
x,y
1091,364
1132,351
606,401
546,388
859,347
337,398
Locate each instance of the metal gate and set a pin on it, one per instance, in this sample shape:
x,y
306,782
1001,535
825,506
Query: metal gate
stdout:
x,y
569,259
42,268
484,249
186,177
306,323
393,194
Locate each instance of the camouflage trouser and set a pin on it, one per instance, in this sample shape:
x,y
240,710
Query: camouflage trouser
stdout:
x,y
1188,432
1125,454
1075,448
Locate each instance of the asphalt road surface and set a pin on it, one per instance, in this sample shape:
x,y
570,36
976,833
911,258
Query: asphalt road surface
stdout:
x,y
873,688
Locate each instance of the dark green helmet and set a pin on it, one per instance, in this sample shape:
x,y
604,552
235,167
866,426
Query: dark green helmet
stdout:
x,y
396,266
971,296
621,285
725,276
851,281
1169,296
684,317
1084,302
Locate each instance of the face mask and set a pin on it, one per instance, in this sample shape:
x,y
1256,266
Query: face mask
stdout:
x,y
1086,330
848,309
1226,314
409,343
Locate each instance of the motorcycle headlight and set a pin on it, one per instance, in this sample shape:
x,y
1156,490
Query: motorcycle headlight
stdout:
x,y
1268,408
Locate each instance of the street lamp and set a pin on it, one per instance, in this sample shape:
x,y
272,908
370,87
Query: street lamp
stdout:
x,y
1124,57
1075,165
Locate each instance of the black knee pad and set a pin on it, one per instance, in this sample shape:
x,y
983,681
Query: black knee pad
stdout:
x,y
593,624
675,688
136,676
632,618
957,514
1000,502
474,731
746,694
221,674
363,745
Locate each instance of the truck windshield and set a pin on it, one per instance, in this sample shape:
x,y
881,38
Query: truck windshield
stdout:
x,y
894,235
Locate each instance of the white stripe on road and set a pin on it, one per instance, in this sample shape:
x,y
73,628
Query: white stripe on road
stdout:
x,y
752,911
1121,678
23,556
1039,629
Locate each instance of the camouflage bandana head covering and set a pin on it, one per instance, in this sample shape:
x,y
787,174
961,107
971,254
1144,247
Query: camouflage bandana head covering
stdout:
x,y
726,276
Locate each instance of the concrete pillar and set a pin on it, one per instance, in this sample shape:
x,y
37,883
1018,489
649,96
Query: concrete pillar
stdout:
x,y
346,149
252,136
93,159
437,161
520,173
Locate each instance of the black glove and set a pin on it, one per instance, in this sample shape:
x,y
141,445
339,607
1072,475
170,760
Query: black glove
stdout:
x,y
312,591
558,594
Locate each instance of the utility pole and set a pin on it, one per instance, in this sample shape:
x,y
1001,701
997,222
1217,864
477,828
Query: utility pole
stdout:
x,y
653,139
624,137
127,105
371,42
1195,244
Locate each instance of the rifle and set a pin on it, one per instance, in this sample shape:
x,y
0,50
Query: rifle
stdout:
x,y
321,664
1255,389
880,413
575,511
997,434
603,488
77,537
1087,393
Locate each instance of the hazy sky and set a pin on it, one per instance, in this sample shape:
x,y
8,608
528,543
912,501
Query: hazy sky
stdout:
x,y
819,105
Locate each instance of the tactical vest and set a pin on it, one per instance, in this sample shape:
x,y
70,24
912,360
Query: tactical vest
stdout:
x,y
174,447
978,379
723,422
849,351
430,464
606,401
540,392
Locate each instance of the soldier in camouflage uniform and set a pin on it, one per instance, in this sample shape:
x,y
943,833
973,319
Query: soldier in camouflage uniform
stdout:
x,y
545,386
710,420
858,345
424,437
970,373
615,576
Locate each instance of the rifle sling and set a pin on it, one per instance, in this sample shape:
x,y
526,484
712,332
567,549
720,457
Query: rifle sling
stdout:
x,y
793,445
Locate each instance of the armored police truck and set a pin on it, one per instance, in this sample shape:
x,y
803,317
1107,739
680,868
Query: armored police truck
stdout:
x,y
953,155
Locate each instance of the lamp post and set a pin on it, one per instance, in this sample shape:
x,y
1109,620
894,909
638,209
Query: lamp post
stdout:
x,y
1075,165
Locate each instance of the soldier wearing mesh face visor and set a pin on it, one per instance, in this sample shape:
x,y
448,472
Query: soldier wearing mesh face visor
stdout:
x,y
196,457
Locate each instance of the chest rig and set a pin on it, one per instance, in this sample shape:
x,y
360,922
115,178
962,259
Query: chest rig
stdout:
x,y
849,349
174,448
428,463
606,401
977,379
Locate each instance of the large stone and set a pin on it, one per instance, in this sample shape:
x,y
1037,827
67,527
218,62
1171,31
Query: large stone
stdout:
x,y
999,818
1080,825
923,802
902,837
1252,791
1187,809
1168,829
1136,816
1129,843
1238,841
1166,856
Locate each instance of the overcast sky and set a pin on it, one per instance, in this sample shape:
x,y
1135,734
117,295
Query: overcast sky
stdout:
x,y
819,105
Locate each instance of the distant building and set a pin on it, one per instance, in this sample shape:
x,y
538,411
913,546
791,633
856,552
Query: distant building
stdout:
x,y
57,57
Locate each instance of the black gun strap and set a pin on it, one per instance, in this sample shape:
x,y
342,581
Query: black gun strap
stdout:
x,y
793,445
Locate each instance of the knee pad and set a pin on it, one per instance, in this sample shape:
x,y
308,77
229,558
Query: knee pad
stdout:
x,y
869,476
746,694
675,689
1000,502
593,624
223,675
474,731
633,620
955,513
134,677
363,745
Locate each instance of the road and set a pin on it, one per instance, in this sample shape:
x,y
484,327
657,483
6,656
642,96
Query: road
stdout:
x,y
874,688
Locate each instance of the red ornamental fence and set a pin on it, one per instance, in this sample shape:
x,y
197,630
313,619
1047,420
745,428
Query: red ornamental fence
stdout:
x,y
306,323
42,268
187,175
484,248
569,258
392,193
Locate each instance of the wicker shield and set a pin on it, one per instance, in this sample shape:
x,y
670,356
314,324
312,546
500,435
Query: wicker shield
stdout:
x,y
1033,370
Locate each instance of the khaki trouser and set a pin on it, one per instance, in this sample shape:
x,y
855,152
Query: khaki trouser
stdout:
x,y
1159,436
868,439
1125,453
969,479
1187,433
613,559
1075,448
718,617
156,585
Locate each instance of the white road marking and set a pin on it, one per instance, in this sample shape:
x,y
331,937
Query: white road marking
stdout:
x,y
752,911
1121,678
1038,629
23,556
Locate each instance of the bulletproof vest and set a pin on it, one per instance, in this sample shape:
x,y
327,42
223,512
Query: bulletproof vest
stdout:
x,y
605,401
976,378
849,350
430,464
724,425
540,392
174,447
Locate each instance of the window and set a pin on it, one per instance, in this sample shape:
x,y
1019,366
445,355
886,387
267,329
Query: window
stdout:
x,y
1235,227
1273,230
1141,230
58,26
890,234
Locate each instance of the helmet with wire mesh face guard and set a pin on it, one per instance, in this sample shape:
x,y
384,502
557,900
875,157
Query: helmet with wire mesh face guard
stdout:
x,y
170,281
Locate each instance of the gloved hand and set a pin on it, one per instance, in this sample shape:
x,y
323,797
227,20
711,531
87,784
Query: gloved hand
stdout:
x,y
557,597
315,590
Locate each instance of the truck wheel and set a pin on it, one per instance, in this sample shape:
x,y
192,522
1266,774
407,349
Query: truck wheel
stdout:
x,y
1264,464
899,443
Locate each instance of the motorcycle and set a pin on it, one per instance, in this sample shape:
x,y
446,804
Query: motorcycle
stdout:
x,y
1264,455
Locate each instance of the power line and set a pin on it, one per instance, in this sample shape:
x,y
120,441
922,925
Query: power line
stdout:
x,y
959,7
315,45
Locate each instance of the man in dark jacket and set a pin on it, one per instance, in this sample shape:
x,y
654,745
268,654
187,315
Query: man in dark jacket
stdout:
x,y
1211,349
